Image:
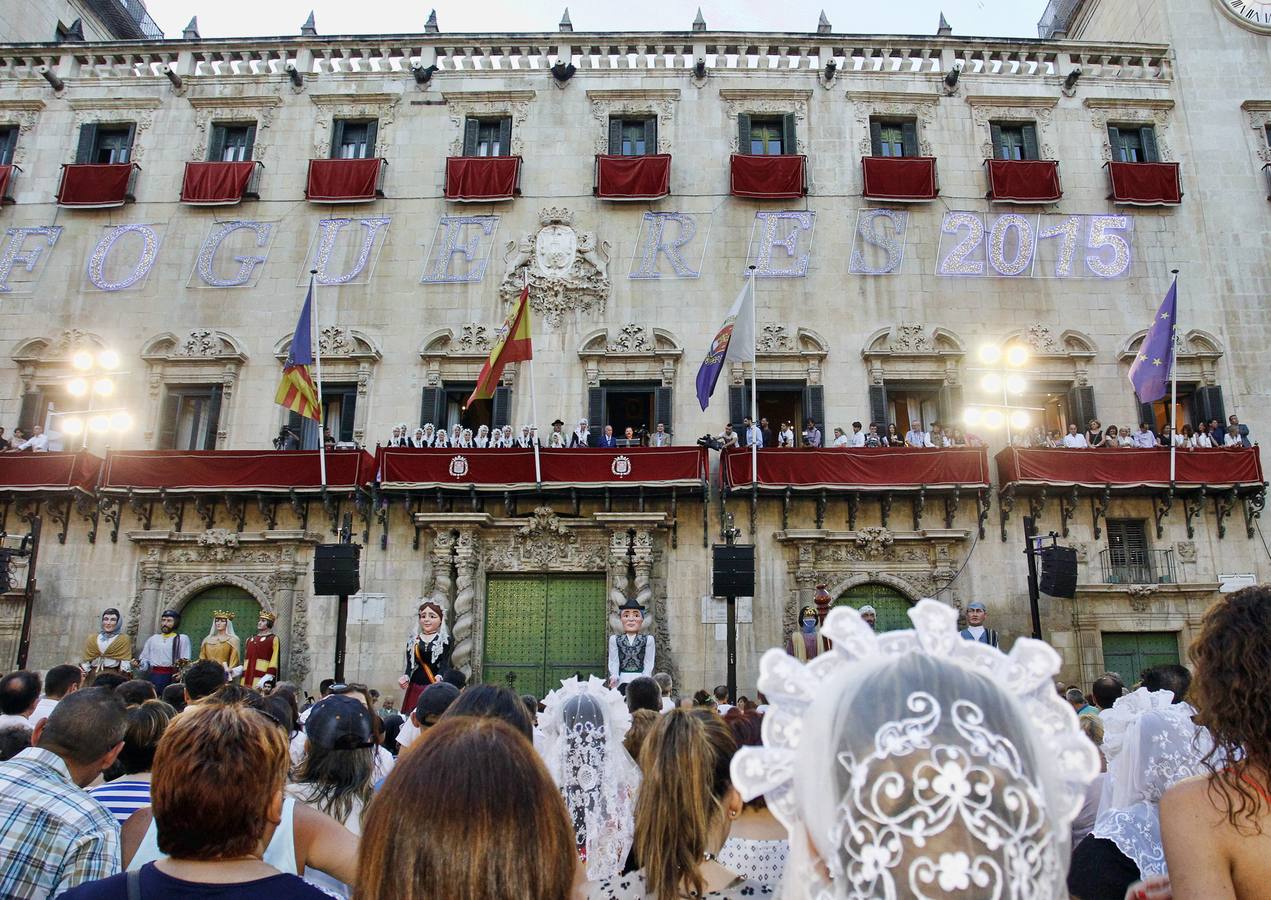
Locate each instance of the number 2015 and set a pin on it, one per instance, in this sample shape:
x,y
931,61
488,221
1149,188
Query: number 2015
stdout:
x,y
1010,247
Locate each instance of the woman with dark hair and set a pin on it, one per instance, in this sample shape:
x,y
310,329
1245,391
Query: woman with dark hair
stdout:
x,y
428,652
1217,827
131,790
758,844
686,805
492,701
506,835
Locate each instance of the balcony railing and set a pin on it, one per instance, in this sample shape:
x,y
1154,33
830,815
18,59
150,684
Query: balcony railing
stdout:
x,y
345,180
1121,566
8,176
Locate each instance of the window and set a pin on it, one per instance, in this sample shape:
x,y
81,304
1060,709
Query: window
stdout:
x,y
1133,143
893,137
353,138
191,416
231,142
8,143
105,143
339,404
778,402
1014,140
487,137
444,406
633,136
1128,559
1196,404
766,135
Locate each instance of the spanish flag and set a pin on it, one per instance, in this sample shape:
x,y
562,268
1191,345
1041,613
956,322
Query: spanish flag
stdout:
x,y
512,344
297,391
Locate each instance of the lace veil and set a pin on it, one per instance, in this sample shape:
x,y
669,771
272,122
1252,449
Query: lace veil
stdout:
x,y
918,764
582,725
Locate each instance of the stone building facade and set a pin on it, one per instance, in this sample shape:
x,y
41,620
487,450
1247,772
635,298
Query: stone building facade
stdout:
x,y
868,308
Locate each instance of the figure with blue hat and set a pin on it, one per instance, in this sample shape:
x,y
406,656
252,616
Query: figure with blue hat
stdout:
x,y
975,629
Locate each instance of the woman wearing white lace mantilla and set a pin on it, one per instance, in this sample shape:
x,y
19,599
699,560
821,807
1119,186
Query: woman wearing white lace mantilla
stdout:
x,y
583,724
917,764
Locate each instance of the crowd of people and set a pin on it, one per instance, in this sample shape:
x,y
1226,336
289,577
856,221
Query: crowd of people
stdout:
x,y
904,765
1209,435
34,440
525,437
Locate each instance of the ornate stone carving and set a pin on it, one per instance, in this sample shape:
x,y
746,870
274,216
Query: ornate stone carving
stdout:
x,y
381,107
26,115
910,339
1038,110
1259,113
659,103
874,541
259,109
1082,549
632,338
1042,340
774,338
198,343
466,554
1140,596
336,341
895,105
219,543
544,537
567,270
68,342
1186,551
459,106
138,111
776,102
1131,112
473,338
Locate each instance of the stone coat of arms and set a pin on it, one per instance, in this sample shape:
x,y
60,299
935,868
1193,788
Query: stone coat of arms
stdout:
x,y
566,270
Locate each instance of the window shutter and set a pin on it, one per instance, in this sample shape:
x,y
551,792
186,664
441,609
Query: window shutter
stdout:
x,y
595,412
1114,141
662,407
743,132
298,425
337,137
1030,142
1147,136
128,142
738,403
429,399
1081,407
87,141
789,145
1147,413
216,145
995,135
30,414
949,402
876,137
213,418
8,137
502,413
615,136
471,129
878,406
168,422
348,409
1207,402
650,148
505,136
372,134
909,138
814,406
251,143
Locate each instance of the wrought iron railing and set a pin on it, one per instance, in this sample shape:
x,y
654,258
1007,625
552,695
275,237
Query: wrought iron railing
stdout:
x,y
1121,566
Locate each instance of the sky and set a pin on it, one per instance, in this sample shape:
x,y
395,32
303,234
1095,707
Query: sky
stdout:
x,y
243,18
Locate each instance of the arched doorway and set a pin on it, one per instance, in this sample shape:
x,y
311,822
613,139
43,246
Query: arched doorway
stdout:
x,y
890,604
196,615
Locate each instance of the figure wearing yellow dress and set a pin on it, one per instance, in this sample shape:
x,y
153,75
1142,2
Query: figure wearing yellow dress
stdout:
x,y
221,643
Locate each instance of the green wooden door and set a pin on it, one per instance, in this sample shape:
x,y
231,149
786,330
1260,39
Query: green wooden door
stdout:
x,y
1128,653
196,615
891,606
540,630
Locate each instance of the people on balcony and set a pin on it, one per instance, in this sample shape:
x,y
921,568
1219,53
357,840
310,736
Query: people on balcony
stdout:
x,y
785,437
916,437
1074,439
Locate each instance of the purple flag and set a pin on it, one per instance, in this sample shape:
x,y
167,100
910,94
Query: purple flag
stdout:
x,y
1150,372
735,342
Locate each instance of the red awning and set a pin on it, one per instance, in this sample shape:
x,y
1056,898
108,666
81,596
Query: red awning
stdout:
x,y
6,175
194,471
1023,180
482,178
216,183
861,468
403,468
31,472
95,186
343,180
633,177
906,178
767,177
1145,184
1125,468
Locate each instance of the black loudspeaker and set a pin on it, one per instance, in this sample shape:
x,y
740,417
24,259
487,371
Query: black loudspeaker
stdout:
x,y
733,573
335,569
1059,572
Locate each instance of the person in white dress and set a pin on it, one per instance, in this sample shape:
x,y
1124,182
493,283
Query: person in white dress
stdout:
x,y
482,440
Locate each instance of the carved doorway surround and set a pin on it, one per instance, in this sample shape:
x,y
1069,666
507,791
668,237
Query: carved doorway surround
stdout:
x,y
466,548
269,565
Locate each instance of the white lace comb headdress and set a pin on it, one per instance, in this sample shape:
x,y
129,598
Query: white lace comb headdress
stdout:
x,y
919,764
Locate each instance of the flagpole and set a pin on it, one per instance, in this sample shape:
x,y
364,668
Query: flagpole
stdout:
x,y
1173,378
317,372
754,402
538,466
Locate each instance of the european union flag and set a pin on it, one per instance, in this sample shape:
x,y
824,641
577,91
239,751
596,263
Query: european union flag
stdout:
x,y
1150,372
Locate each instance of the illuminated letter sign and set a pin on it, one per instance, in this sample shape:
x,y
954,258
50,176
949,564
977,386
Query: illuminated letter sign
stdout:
x,y
791,232
105,275
256,234
26,260
459,254
352,257
878,245
656,240
1011,245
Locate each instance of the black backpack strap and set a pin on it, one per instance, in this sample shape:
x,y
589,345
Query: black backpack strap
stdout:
x,y
134,884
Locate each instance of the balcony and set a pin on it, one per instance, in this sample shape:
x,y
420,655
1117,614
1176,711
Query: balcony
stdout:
x,y
1122,566
1023,180
345,180
768,177
482,179
8,176
633,177
220,183
1144,183
1266,171
97,185
911,179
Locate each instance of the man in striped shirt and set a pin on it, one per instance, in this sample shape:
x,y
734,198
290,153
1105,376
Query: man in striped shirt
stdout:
x,y
54,836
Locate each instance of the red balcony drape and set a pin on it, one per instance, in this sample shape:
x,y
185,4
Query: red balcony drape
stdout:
x,y
6,174
215,183
1024,180
482,177
1145,184
633,177
235,470
767,177
49,471
860,468
94,185
343,180
1129,468
899,178
403,468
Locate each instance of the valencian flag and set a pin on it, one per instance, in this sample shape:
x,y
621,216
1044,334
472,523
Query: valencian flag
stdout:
x,y
297,392
735,342
511,344
1150,372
